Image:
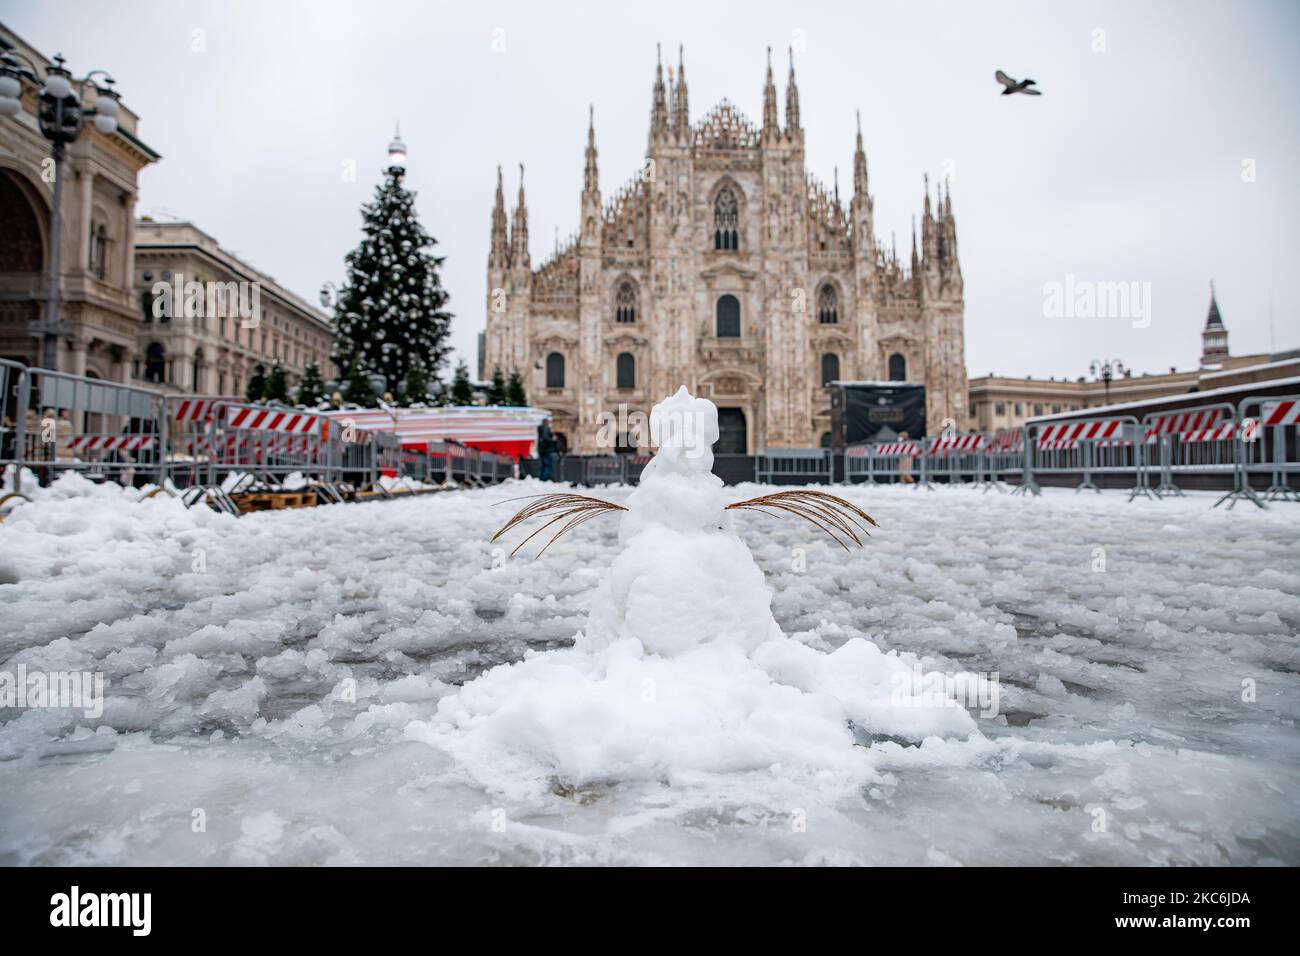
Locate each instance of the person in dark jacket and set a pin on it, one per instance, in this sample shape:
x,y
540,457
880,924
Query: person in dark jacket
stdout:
x,y
546,447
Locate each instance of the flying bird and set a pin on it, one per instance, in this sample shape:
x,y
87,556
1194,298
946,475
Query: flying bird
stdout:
x,y
1016,86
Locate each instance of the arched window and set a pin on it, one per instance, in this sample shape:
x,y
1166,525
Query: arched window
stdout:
x,y
728,313
197,370
155,363
555,370
625,369
897,368
726,220
625,303
828,309
830,367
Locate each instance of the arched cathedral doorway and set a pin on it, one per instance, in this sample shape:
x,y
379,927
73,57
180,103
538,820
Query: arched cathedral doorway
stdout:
x,y
733,434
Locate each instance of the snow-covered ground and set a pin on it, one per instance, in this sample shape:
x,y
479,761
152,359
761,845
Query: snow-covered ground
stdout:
x,y
273,689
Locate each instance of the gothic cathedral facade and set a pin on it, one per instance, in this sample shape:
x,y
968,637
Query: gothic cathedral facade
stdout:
x,y
724,266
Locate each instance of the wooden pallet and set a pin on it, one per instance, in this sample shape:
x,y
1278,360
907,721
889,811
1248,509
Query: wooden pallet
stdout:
x,y
274,500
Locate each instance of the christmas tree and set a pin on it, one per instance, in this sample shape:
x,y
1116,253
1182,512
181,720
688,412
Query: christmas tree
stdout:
x,y
415,387
277,386
257,384
515,390
462,392
312,387
496,392
390,312
357,388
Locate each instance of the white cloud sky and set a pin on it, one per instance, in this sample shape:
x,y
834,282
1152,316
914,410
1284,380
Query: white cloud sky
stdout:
x,y
1127,168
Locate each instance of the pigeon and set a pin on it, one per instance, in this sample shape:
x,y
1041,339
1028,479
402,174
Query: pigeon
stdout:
x,y
1016,86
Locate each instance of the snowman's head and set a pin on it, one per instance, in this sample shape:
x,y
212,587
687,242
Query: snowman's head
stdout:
x,y
684,429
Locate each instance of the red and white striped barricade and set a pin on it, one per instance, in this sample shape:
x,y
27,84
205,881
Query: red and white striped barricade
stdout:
x,y
1006,456
1110,445
1191,443
190,431
887,461
1268,448
269,443
956,455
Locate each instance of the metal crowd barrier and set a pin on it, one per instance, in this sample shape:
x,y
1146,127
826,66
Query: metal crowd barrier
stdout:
x,y
794,466
56,422
1267,445
1086,447
889,461
1196,441
605,470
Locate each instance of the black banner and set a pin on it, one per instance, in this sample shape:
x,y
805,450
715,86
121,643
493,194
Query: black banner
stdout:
x,y
876,411
943,907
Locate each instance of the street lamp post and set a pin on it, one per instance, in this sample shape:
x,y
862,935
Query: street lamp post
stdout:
x,y
1107,369
61,117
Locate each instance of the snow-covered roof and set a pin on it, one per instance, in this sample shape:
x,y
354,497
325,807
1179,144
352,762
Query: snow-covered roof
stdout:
x,y
1201,398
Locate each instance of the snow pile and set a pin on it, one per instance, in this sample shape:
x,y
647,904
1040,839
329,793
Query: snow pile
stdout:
x,y
682,670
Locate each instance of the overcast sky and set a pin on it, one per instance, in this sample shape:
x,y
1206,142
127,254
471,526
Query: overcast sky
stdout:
x,y
1128,168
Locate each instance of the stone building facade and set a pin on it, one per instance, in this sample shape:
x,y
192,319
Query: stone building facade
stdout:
x,y
98,310
723,265
215,353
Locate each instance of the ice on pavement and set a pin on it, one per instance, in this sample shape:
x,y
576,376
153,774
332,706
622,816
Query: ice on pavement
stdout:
x,y
308,687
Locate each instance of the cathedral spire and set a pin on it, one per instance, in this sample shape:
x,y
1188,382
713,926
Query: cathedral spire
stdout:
x,y
590,174
949,224
659,106
519,229
929,246
499,254
771,126
859,162
681,104
792,128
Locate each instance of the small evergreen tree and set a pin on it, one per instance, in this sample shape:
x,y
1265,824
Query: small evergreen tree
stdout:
x,y
357,389
257,384
277,386
391,309
515,390
312,387
462,392
496,393
415,387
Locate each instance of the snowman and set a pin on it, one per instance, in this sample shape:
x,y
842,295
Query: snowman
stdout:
x,y
684,578
682,673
